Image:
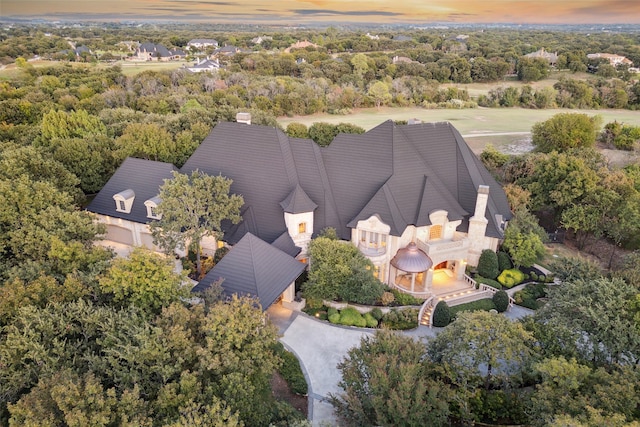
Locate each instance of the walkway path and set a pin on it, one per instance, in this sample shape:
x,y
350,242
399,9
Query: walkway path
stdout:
x,y
320,346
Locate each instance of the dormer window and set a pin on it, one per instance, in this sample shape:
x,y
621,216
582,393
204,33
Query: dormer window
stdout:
x,y
152,208
124,200
302,228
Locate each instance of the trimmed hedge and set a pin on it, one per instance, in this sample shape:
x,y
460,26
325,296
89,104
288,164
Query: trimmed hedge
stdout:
x,y
349,316
372,322
488,264
441,315
489,282
480,305
511,278
501,300
291,370
504,261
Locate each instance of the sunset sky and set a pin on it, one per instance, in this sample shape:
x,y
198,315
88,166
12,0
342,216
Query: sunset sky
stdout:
x,y
305,11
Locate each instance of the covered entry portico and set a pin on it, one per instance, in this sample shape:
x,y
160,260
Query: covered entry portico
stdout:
x,y
414,272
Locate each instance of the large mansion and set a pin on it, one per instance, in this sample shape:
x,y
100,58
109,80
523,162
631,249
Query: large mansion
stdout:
x,y
413,198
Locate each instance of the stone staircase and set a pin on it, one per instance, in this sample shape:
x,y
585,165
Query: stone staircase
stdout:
x,y
452,299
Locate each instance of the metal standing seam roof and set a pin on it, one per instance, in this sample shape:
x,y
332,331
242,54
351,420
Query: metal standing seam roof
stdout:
x,y
411,259
254,268
402,173
144,177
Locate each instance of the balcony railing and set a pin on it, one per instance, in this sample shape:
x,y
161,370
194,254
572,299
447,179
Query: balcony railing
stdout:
x,y
459,242
372,249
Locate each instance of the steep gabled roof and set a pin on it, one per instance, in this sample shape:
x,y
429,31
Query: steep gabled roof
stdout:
x,y
402,173
144,177
286,244
254,268
258,160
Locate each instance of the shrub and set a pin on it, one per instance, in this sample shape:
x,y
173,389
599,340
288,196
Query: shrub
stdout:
x,y
528,297
401,319
501,300
313,303
219,254
352,317
485,304
334,318
387,298
511,278
405,299
377,313
488,264
291,370
371,321
489,282
331,311
504,261
441,315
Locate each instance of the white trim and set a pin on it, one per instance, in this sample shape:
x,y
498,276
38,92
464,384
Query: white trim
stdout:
x,y
124,200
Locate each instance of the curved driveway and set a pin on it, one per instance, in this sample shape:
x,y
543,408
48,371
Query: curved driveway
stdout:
x,y
320,346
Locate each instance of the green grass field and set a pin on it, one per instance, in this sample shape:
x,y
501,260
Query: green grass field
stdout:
x,y
129,68
479,126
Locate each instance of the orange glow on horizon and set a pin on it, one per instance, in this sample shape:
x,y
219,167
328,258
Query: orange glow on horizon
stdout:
x,y
305,11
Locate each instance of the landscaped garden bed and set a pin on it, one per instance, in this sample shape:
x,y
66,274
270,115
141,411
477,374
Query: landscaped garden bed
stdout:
x,y
367,317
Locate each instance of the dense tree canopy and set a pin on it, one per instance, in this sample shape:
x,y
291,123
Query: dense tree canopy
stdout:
x,y
192,207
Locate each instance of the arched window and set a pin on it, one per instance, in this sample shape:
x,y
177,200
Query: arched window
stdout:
x,y
435,232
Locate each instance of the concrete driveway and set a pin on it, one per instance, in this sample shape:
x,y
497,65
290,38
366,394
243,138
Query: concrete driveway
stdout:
x,y
320,346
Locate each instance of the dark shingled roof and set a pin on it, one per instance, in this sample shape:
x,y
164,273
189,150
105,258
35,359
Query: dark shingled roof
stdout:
x,y
402,173
144,177
254,268
298,202
286,244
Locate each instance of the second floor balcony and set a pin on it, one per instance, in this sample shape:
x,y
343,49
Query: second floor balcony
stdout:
x,y
445,248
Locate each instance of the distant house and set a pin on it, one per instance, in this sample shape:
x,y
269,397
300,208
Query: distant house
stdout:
x,y
551,58
372,37
414,199
260,39
226,50
202,43
301,45
156,52
204,66
613,59
401,60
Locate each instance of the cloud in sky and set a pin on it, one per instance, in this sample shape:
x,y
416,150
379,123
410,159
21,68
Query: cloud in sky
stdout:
x,y
374,11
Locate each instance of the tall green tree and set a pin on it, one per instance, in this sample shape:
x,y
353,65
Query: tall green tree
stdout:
x,y
339,271
385,383
144,279
565,131
192,207
592,321
482,348
380,93
524,239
